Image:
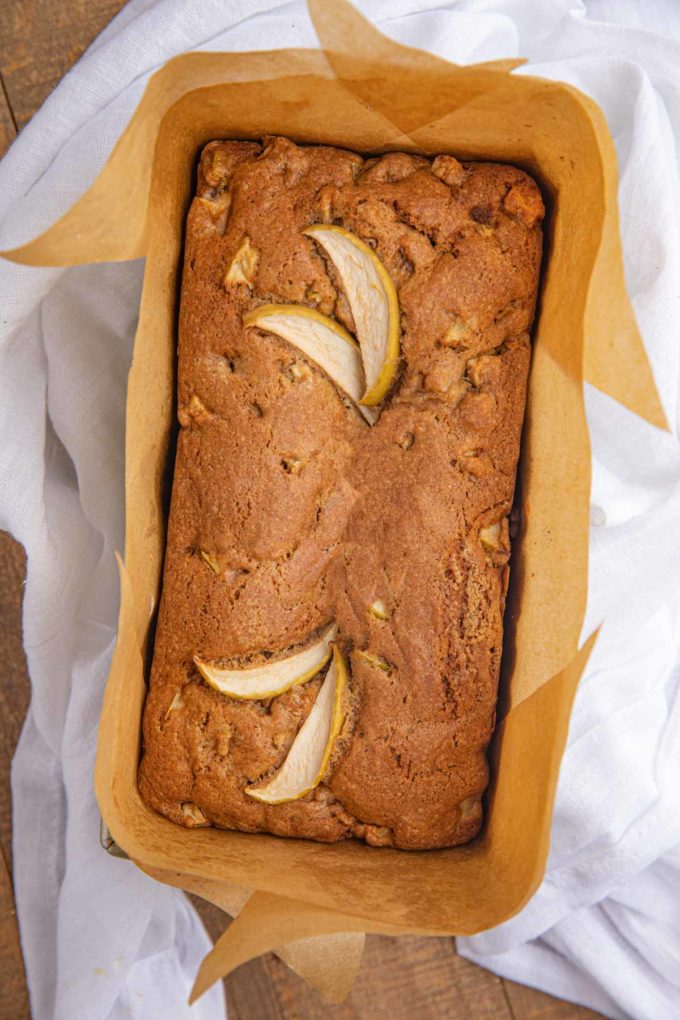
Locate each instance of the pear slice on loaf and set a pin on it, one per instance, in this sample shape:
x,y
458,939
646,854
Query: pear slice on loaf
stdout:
x,y
322,339
373,299
310,752
271,678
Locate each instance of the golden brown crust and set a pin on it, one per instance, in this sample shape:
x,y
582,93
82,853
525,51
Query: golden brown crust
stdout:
x,y
391,512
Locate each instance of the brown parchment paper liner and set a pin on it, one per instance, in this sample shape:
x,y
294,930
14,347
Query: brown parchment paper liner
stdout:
x,y
312,902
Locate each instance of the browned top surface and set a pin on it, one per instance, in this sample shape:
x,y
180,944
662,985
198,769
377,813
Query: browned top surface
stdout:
x,y
390,512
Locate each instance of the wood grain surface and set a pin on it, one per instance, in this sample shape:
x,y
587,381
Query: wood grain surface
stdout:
x,y
400,978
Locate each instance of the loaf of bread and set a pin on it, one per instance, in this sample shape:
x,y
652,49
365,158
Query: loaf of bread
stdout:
x,y
295,510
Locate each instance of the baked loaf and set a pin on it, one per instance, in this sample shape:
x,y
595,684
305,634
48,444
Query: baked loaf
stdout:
x,y
290,511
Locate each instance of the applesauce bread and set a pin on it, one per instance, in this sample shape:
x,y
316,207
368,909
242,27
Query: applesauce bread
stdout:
x,y
291,512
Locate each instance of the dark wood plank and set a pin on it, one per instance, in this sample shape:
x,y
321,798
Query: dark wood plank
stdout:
x,y
252,993
40,40
14,695
529,1004
7,127
14,998
14,683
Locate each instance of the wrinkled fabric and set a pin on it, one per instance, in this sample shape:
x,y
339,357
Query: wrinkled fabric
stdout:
x,y
100,939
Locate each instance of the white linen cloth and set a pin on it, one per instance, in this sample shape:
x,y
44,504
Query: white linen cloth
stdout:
x,y
100,939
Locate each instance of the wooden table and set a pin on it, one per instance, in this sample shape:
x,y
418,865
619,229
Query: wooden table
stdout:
x,y
400,978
